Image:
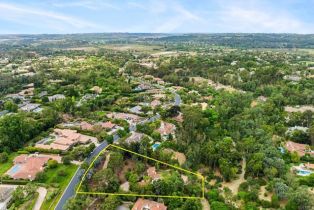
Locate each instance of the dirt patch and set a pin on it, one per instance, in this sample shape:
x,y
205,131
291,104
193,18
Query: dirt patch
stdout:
x,y
106,161
86,49
262,196
180,157
234,185
205,204
129,165
166,53
215,85
299,108
254,103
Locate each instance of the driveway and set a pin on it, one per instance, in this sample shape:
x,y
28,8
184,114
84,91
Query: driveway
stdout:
x,y
42,194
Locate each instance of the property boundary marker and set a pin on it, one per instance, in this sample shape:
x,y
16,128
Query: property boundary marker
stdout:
x,y
141,195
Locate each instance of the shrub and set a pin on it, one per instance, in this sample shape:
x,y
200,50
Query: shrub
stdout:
x,y
23,152
52,164
275,201
109,139
62,173
4,157
244,187
34,149
216,205
40,177
66,160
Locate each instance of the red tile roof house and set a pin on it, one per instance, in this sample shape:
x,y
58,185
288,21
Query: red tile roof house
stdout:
x,y
27,166
65,139
158,81
166,129
131,118
144,204
301,149
309,166
152,173
134,138
86,126
179,118
110,127
155,103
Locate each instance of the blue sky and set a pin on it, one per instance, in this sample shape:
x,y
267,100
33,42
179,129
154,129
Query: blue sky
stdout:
x,y
156,16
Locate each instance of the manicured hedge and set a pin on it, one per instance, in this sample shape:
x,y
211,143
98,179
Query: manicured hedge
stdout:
x,y
35,149
11,181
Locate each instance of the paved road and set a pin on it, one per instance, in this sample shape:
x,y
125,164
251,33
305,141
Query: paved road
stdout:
x,y
42,194
177,99
70,190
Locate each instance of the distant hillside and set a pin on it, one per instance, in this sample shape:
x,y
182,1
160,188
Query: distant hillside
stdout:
x,y
229,40
243,40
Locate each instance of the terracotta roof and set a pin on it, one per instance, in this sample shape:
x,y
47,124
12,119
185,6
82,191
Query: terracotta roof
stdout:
x,y
155,103
151,172
108,125
309,166
20,159
29,166
144,204
86,126
53,146
301,149
179,118
166,128
125,116
135,137
65,138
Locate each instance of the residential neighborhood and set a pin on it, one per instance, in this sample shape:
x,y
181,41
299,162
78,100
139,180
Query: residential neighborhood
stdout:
x,y
64,139
156,121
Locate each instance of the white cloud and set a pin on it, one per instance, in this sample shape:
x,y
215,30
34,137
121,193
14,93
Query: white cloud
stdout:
x,y
136,5
88,4
180,16
33,16
258,21
254,17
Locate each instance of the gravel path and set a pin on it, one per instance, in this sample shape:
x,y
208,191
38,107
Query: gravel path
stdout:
x,y
42,194
234,184
205,204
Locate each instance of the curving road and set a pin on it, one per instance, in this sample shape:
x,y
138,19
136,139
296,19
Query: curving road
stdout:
x,y
177,99
70,190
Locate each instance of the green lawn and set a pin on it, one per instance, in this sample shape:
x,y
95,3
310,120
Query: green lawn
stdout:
x,y
100,113
58,183
7,165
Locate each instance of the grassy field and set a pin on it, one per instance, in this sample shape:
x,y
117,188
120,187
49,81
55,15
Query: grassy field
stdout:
x,y
7,165
135,48
58,178
310,51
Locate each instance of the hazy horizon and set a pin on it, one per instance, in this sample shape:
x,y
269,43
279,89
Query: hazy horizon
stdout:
x,y
187,33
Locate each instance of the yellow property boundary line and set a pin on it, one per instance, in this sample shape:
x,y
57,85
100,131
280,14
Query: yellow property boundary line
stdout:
x,y
141,195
